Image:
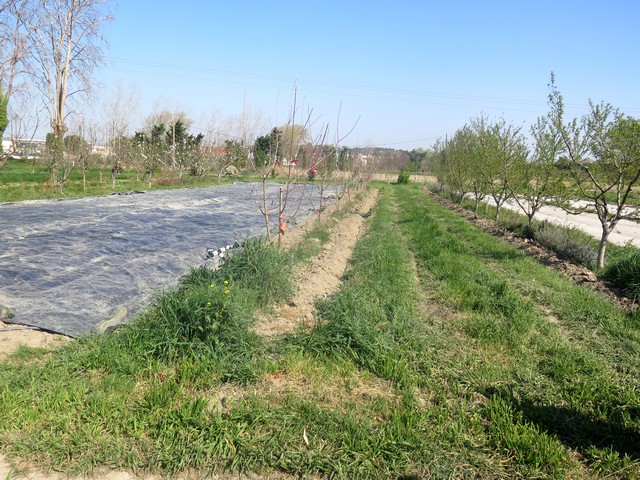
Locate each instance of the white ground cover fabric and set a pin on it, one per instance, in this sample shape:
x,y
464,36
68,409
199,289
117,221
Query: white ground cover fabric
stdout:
x,y
68,265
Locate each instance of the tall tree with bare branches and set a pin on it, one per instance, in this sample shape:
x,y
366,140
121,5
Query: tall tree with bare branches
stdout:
x,y
65,46
14,49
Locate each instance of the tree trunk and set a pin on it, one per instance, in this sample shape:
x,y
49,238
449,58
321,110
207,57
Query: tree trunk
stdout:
x,y
530,218
265,206
602,249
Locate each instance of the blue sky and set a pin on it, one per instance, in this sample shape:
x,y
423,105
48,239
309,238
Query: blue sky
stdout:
x,y
411,71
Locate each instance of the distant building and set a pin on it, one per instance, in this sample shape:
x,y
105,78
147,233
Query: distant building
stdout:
x,y
24,148
20,148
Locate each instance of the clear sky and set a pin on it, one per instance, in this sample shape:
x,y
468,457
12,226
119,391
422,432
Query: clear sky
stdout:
x,y
411,71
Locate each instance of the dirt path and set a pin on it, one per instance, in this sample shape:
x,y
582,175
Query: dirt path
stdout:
x,y
322,276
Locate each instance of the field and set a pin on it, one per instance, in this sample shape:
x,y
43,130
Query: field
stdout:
x,y
441,352
21,180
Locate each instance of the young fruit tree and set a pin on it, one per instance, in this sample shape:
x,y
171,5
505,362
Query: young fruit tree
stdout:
x,y
501,148
603,150
536,179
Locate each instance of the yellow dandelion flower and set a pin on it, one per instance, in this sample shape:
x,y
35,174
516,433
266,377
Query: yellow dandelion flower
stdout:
x,y
226,282
227,291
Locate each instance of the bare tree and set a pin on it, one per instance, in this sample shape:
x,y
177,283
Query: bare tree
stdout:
x,y
65,46
117,111
325,168
14,49
289,198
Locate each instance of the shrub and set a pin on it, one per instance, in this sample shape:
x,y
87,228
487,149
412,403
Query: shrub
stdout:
x,y
625,275
403,177
517,225
551,236
559,240
578,253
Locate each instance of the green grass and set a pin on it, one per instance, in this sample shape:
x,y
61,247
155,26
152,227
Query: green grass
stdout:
x,y
569,358
20,180
445,354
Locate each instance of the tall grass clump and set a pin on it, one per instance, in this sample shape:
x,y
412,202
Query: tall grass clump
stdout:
x,y
263,268
206,320
625,275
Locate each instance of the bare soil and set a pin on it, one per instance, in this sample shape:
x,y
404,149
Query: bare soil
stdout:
x,y
323,274
14,336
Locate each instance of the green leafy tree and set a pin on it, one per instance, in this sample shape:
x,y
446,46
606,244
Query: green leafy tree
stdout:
x,y
263,150
344,159
537,179
501,149
236,153
465,154
418,159
453,165
603,148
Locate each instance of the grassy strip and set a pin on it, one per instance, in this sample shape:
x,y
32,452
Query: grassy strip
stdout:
x,y
551,387
569,243
105,400
20,181
372,319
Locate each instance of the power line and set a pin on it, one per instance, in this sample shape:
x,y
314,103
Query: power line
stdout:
x,y
355,87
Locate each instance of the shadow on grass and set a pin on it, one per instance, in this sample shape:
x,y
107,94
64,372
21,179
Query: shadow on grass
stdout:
x,y
579,431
